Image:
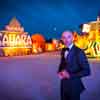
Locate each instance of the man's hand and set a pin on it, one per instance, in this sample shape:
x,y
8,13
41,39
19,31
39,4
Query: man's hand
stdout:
x,y
64,74
60,75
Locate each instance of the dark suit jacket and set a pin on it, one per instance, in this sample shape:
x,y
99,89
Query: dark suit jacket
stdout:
x,y
77,65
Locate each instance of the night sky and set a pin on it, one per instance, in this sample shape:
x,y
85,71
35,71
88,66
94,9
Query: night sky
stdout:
x,y
49,17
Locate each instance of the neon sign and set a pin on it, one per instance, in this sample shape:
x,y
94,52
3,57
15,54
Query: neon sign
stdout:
x,y
9,40
95,48
86,28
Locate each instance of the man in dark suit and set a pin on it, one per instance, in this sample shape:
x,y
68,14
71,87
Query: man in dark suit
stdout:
x,y
73,66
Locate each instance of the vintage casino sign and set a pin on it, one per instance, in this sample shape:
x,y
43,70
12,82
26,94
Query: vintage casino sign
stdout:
x,y
96,49
15,40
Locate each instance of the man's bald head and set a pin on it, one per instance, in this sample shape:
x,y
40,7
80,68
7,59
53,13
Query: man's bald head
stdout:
x,y
67,32
67,37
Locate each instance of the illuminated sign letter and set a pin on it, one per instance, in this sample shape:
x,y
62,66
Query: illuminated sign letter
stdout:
x,y
23,38
29,42
5,40
0,39
12,39
18,40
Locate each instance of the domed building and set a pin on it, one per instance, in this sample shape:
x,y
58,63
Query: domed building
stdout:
x,y
38,43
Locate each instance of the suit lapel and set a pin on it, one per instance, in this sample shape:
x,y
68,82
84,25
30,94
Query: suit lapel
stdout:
x,y
71,52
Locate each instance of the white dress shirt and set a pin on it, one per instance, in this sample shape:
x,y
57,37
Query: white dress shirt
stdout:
x,y
66,52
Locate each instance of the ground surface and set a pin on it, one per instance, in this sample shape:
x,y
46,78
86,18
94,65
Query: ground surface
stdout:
x,y
34,78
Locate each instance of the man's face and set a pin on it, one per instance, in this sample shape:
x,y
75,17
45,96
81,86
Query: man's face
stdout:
x,y
67,38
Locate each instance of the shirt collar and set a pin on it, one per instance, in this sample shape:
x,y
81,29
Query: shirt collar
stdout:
x,y
70,46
